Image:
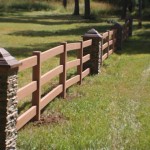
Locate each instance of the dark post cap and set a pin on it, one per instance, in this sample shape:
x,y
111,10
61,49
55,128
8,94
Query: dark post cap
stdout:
x,y
7,61
92,33
117,25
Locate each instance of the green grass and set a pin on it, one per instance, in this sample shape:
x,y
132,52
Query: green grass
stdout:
x,y
109,111
21,5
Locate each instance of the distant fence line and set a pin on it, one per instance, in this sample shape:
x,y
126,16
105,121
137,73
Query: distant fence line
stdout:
x,y
91,52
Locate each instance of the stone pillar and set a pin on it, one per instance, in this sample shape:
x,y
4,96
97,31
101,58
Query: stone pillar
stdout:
x,y
94,50
119,36
8,103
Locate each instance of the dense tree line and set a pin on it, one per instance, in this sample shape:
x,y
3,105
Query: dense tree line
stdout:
x,y
126,6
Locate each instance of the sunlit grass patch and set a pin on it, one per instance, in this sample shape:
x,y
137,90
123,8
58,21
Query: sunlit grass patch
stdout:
x,y
102,10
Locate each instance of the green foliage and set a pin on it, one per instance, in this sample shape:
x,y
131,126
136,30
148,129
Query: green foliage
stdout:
x,y
146,13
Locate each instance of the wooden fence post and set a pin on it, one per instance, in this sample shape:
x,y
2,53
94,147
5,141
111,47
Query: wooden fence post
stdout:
x,y
36,96
63,75
8,100
94,50
108,43
124,32
101,49
113,38
80,67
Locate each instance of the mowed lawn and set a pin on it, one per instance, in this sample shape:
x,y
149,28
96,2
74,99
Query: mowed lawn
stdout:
x,y
108,111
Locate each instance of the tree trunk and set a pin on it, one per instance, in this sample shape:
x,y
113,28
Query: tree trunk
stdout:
x,y
143,4
140,14
65,3
76,7
130,6
87,10
124,9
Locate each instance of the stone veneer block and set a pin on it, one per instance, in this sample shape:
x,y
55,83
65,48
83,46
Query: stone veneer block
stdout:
x,y
94,50
8,101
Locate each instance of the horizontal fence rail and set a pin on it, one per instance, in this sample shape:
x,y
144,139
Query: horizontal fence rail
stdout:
x,y
51,53
51,74
27,90
28,63
108,43
51,95
26,117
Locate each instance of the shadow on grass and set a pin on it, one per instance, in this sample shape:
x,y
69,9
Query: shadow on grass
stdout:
x,y
45,19
139,43
76,31
28,50
144,26
60,19
136,47
23,106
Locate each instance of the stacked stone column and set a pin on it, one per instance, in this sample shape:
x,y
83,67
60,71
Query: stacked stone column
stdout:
x,y
8,101
119,36
94,50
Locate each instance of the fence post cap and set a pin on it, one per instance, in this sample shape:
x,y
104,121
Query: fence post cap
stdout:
x,y
92,33
117,25
7,61
128,18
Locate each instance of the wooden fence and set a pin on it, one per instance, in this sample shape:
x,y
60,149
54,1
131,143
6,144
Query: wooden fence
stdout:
x,y
91,52
38,80
108,44
34,88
